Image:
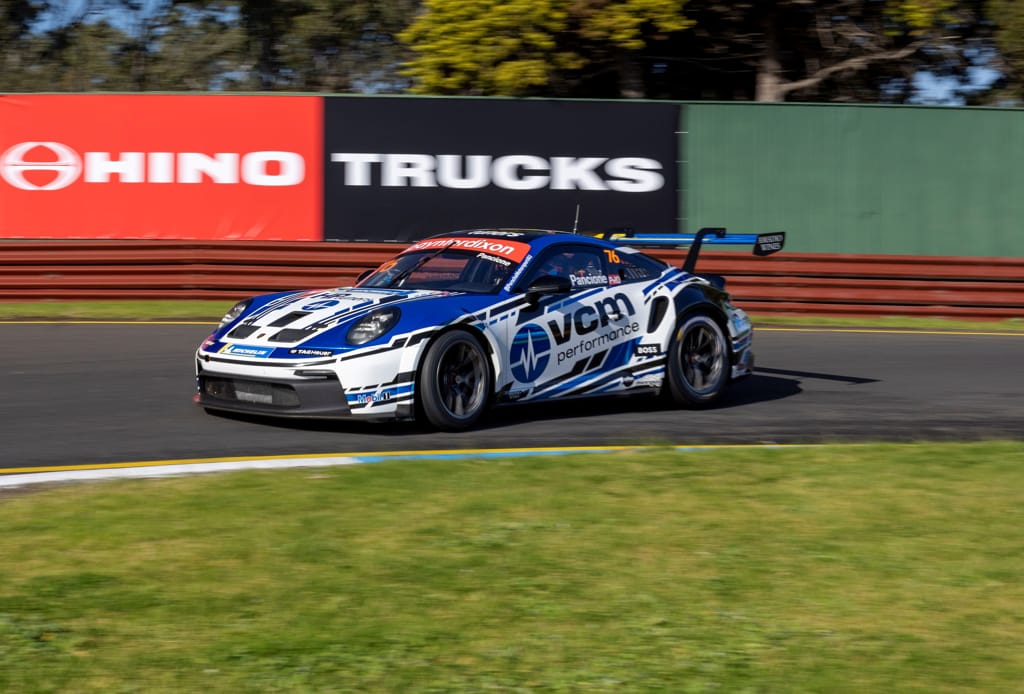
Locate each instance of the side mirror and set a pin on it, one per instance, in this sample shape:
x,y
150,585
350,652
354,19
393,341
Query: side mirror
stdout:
x,y
547,285
363,275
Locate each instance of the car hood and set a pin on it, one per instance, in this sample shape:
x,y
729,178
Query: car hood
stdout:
x,y
320,319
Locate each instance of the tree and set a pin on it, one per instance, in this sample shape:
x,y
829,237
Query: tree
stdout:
x,y
189,45
93,45
16,53
310,45
346,46
530,47
857,50
770,50
1008,17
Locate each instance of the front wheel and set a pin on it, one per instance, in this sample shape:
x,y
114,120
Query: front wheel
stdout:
x,y
455,381
698,362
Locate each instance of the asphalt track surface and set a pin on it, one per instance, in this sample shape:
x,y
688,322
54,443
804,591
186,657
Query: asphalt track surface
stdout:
x,y
87,394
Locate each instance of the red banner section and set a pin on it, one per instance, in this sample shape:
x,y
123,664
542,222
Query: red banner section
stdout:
x,y
161,167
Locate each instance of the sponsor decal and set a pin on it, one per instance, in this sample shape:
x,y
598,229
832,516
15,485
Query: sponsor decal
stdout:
x,y
20,164
494,259
246,351
369,398
512,250
591,317
589,281
162,166
497,232
510,172
594,318
19,168
648,350
519,271
740,322
530,354
320,305
769,243
614,280
308,352
601,340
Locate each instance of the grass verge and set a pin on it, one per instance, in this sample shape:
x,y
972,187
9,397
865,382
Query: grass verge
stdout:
x,y
114,310
891,568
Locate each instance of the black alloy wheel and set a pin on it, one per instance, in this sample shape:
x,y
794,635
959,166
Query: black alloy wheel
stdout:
x,y
698,367
455,382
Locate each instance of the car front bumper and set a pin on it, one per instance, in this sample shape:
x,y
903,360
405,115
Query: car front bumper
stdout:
x,y
314,397
324,390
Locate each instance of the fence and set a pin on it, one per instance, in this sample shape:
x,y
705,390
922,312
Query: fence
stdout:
x,y
813,284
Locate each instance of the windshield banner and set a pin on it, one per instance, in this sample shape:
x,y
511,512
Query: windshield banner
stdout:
x,y
511,250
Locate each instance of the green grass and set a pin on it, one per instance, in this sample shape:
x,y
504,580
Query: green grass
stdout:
x,y
114,310
894,568
211,311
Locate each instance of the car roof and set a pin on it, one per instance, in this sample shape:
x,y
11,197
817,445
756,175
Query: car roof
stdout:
x,y
537,238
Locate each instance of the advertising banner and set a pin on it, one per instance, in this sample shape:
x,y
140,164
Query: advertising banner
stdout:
x,y
161,167
402,169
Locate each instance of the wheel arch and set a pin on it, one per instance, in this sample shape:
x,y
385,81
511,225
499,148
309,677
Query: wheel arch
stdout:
x,y
701,299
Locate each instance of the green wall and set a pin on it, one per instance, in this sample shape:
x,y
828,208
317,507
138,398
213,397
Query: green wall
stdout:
x,y
858,179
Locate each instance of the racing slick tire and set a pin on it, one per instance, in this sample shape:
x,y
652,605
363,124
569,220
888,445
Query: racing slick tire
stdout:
x,y
455,381
698,362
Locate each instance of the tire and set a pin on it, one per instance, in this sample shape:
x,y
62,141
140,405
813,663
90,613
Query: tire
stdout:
x,y
698,362
455,381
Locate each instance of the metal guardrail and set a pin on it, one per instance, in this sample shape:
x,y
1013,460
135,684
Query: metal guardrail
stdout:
x,y
813,284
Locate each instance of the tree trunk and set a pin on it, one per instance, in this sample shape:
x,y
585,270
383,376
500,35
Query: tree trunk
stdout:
x,y
631,78
769,69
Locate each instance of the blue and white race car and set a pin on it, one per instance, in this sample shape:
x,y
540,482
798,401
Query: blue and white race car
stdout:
x,y
459,322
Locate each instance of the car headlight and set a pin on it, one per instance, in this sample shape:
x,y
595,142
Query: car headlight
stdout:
x,y
236,310
372,325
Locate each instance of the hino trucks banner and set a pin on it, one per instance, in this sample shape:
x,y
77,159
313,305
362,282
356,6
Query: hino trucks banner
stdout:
x,y
158,166
339,168
407,168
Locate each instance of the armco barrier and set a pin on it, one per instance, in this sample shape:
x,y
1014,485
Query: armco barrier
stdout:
x,y
786,283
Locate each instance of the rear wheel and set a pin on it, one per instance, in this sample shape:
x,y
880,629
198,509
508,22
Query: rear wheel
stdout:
x,y
455,382
698,362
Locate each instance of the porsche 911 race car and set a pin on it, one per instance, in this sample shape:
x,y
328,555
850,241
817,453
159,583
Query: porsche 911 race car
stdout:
x,y
456,323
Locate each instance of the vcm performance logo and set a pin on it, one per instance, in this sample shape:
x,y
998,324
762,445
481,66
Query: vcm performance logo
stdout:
x,y
54,165
531,352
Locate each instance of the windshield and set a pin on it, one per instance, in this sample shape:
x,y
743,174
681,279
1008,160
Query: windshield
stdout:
x,y
443,269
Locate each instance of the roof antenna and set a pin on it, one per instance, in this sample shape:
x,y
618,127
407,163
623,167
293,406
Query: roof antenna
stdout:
x,y
576,222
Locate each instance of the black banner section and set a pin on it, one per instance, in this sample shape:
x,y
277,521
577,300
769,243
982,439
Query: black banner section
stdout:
x,y
401,169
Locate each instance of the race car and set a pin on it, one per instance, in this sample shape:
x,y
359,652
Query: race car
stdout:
x,y
459,322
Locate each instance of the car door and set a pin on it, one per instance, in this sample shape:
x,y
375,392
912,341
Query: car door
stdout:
x,y
581,342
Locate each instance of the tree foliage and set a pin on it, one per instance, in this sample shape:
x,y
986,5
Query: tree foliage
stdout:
x,y
822,50
764,49
1008,17
189,45
526,47
841,50
16,59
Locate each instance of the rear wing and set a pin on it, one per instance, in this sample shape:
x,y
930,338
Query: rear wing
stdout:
x,y
764,244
